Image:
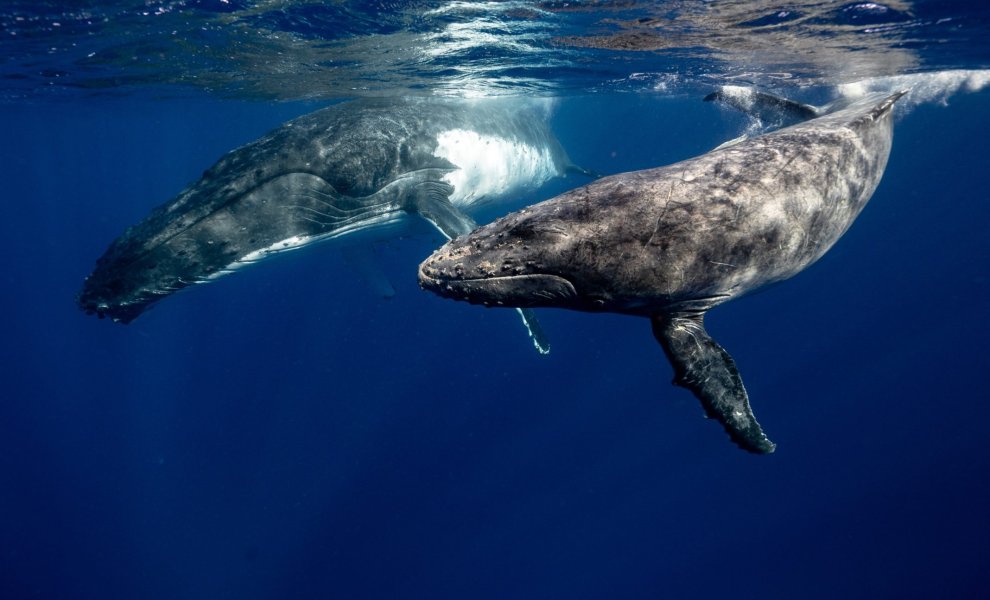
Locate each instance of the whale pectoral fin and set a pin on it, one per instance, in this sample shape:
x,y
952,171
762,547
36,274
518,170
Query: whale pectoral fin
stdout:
x,y
532,325
362,259
432,202
763,106
705,368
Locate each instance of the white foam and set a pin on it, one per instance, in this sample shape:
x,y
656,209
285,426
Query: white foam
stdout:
x,y
923,87
486,7
491,167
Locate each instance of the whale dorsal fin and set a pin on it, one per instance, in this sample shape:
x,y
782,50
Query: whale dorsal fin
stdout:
x,y
431,200
705,368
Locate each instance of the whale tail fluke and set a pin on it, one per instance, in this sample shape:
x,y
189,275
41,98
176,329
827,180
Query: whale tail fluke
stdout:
x,y
777,111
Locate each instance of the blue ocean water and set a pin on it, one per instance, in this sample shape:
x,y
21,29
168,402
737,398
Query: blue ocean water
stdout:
x,y
284,433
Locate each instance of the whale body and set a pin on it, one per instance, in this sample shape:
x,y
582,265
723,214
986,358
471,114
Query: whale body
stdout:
x,y
351,168
671,243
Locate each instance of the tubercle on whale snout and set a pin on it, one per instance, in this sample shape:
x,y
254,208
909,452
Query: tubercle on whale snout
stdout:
x,y
449,278
122,314
94,302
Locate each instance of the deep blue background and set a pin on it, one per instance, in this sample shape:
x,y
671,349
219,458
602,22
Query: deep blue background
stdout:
x,y
283,433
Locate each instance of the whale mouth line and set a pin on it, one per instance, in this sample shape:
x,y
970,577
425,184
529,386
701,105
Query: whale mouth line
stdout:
x,y
438,279
523,277
520,291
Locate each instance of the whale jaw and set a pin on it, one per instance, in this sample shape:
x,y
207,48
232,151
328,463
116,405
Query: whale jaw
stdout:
x,y
518,291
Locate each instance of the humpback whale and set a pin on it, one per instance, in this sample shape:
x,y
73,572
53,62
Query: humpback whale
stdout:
x,y
672,242
350,168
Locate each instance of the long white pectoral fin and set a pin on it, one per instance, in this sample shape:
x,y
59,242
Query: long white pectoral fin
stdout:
x,y
536,333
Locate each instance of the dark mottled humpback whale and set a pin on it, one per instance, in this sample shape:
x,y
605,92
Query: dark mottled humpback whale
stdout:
x,y
672,242
349,168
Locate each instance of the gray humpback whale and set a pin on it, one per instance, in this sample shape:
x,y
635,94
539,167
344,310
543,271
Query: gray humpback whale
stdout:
x,y
672,242
350,168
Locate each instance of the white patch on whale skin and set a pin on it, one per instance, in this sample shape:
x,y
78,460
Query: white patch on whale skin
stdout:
x,y
491,167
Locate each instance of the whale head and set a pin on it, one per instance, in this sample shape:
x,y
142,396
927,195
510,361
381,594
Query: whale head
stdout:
x,y
215,227
146,265
119,300
541,256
